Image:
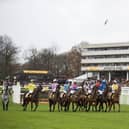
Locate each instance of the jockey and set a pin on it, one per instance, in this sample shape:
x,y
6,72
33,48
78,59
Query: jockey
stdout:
x,y
90,87
54,85
102,87
114,86
73,87
30,87
97,84
86,86
66,87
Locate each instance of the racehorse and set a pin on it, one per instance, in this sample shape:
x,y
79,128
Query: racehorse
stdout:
x,y
53,98
63,102
92,99
74,100
114,99
78,100
5,98
33,98
102,100
82,102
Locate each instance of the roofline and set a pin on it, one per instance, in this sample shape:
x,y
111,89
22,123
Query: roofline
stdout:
x,y
103,45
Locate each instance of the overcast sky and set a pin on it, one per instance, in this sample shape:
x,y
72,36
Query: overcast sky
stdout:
x,y
64,23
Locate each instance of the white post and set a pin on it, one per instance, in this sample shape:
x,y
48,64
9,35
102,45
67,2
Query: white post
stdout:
x,y
98,77
109,76
127,75
16,93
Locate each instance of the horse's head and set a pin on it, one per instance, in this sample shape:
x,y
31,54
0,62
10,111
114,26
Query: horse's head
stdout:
x,y
38,89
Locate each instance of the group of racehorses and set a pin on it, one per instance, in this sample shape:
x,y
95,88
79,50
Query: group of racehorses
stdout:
x,y
83,101
80,100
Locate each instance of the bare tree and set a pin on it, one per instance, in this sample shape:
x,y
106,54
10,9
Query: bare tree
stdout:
x,y
8,52
32,59
74,59
60,65
42,60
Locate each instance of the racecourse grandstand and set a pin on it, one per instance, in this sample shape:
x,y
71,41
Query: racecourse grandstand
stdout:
x,y
108,59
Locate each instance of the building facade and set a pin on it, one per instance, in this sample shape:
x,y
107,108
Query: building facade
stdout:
x,y
110,60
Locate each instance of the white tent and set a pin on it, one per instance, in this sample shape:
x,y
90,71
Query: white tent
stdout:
x,y
83,77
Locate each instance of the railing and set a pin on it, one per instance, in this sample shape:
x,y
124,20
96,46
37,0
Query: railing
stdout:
x,y
43,100
105,60
106,52
104,68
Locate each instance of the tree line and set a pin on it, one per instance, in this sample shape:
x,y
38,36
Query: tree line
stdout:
x,y
64,64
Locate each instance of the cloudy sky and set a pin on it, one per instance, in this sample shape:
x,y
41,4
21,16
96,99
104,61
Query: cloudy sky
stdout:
x,y
64,23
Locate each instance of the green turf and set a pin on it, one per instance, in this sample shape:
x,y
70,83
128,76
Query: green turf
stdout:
x,y
15,118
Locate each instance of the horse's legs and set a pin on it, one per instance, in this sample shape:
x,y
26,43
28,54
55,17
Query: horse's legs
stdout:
x,y
31,106
106,106
118,107
77,105
73,106
89,103
54,107
7,106
101,106
3,106
25,106
110,106
114,107
93,104
50,105
59,106
36,106
66,107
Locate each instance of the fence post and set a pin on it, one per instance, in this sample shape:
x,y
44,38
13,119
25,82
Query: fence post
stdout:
x,y
16,93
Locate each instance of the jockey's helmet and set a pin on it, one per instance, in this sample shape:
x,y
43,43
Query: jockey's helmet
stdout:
x,y
55,80
32,80
115,81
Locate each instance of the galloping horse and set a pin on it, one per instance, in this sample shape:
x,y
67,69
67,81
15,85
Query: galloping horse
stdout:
x,y
33,98
5,98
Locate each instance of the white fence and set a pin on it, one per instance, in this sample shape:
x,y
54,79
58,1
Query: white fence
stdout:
x,y
124,97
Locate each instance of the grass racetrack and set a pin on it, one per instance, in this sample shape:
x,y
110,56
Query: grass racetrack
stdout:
x,y
15,118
